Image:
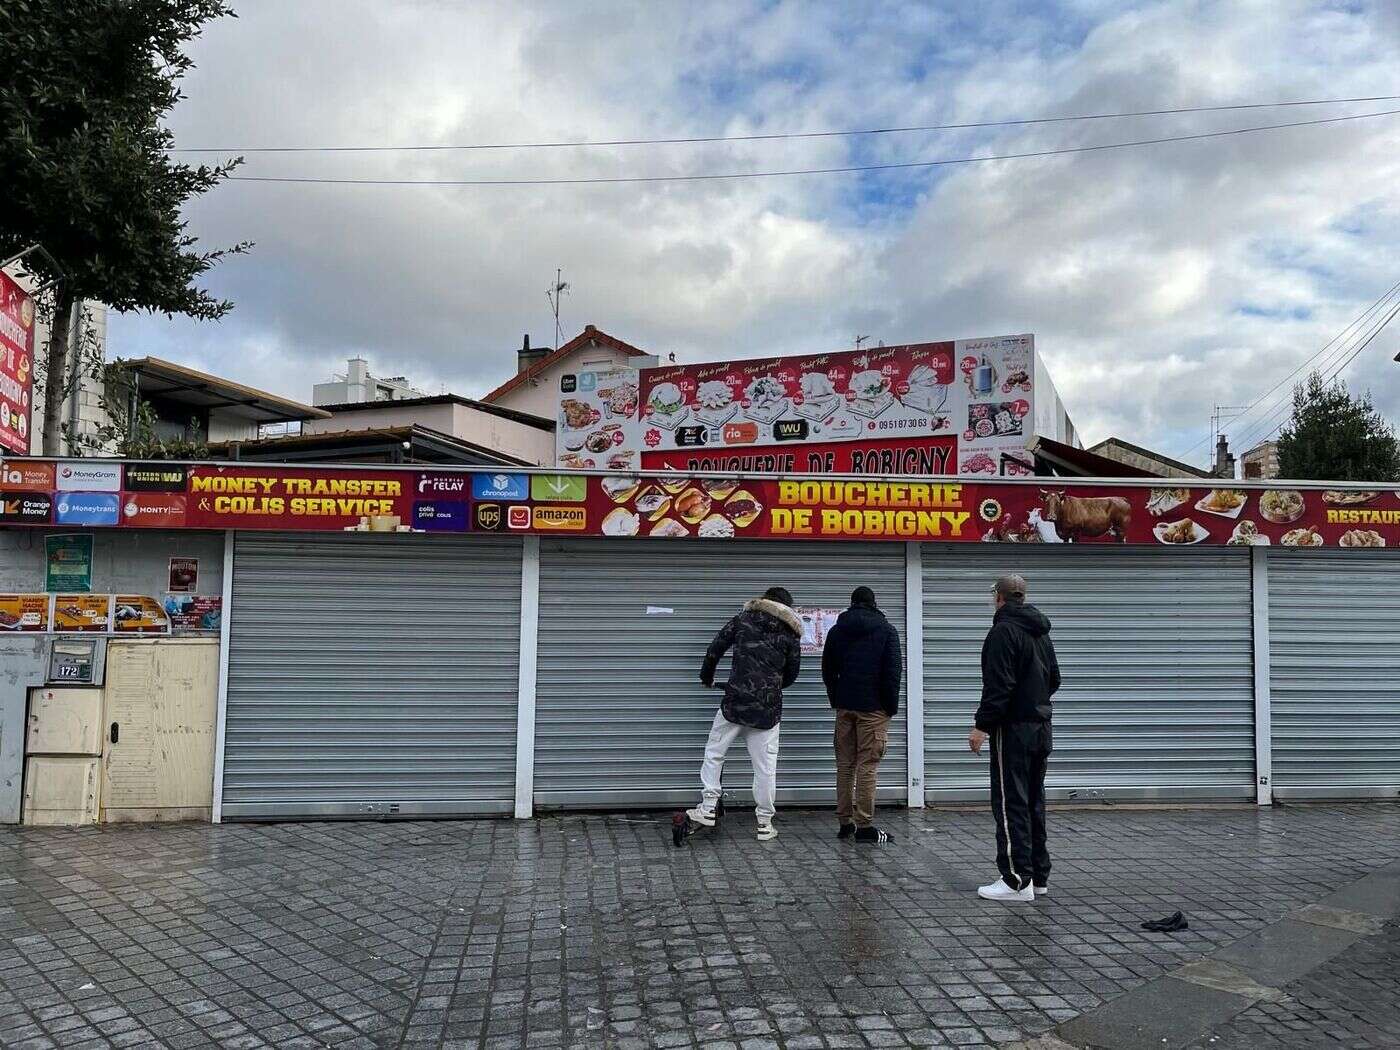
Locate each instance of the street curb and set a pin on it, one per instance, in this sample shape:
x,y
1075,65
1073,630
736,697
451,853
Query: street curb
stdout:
x,y
1184,1005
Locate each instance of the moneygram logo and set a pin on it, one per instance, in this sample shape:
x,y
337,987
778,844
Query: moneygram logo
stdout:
x,y
82,478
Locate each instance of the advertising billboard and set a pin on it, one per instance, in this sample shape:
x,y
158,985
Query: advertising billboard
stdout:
x,y
974,398
676,504
16,365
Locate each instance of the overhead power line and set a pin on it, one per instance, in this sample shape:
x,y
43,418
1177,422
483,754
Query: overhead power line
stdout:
x,y
850,169
1280,417
775,136
1341,353
1333,349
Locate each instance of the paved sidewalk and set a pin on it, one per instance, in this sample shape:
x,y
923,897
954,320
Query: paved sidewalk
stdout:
x,y
592,931
1350,1003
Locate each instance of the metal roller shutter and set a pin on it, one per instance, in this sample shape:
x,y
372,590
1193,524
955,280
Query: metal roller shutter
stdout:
x,y
372,674
1334,665
621,718
1156,652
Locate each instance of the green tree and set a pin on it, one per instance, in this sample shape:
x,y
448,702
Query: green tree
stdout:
x,y
85,167
1333,436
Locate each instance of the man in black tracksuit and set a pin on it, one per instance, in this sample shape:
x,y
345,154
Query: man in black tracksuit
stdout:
x,y
1019,676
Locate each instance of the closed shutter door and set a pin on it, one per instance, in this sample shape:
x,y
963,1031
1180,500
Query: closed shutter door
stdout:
x,y
1334,673
1155,648
372,674
621,717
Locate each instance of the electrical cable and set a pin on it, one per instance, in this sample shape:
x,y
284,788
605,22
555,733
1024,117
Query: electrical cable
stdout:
x,y
1334,361
1279,418
783,135
633,179
1327,349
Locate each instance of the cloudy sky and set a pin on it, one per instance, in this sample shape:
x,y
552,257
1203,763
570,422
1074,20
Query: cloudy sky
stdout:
x,y
1158,281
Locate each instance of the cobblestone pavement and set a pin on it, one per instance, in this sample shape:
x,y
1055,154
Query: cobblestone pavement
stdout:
x,y
592,931
1350,1003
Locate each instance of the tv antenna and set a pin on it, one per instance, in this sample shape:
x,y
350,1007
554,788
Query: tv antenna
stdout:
x,y
555,294
860,339
1223,414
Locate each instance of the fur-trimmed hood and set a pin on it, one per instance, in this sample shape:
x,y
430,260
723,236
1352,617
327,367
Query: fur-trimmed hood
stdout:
x,y
778,611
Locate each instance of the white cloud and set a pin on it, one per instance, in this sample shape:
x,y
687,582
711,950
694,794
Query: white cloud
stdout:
x,y
1158,280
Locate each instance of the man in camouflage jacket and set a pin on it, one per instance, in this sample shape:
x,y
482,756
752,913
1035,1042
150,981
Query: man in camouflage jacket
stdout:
x,y
766,640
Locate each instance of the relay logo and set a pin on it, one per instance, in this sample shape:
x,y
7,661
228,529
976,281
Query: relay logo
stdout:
x,y
87,508
442,485
500,486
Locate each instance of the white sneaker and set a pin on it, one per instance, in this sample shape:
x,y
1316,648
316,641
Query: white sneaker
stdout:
x,y
1000,891
699,816
1042,891
767,832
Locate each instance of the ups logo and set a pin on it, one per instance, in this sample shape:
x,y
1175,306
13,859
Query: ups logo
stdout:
x,y
488,516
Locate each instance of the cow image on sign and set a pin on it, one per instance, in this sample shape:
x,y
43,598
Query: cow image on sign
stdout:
x,y
1087,517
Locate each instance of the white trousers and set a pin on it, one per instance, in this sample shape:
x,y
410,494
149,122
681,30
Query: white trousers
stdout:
x,y
763,754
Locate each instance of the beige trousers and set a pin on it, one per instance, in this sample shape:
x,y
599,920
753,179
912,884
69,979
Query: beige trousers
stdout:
x,y
861,738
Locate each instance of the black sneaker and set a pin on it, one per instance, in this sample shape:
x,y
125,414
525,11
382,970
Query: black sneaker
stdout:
x,y
847,830
873,834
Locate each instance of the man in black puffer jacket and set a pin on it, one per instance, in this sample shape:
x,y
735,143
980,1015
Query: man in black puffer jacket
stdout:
x,y
861,669
766,639
1019,676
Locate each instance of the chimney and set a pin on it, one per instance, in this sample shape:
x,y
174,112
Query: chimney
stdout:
x,y
529,355
1224,458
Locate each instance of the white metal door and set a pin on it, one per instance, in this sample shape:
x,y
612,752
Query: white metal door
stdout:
x,y
372,674
1334,659
621,718
1155,647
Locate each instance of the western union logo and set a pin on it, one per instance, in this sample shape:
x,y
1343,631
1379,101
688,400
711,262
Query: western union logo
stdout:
x,y
571,519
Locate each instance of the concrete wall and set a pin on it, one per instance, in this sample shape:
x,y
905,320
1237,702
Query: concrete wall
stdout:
x,y
434,417
504,435
125,562
460,421
224,426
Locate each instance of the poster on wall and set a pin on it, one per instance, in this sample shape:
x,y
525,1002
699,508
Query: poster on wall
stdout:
x,y
597,422
68,562
82,613
194,612
816,625
139,614
21,613
16,365
184,575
